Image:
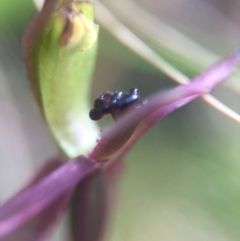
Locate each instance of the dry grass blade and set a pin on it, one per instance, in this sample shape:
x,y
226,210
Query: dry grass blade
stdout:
x,y
123,34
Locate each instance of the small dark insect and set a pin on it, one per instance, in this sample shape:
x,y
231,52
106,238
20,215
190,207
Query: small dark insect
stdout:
x,y
110,101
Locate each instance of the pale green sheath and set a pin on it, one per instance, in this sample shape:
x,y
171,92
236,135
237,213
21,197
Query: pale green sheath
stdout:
x,y
63,65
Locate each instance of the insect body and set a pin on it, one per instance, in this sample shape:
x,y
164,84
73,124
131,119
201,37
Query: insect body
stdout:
x,y
108,101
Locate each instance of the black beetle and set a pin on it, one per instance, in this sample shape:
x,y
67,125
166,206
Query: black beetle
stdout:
x,y
109,101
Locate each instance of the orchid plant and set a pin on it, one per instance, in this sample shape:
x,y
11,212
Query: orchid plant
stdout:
x,y
59,49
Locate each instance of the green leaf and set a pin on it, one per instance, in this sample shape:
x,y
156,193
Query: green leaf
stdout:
x,y
60,50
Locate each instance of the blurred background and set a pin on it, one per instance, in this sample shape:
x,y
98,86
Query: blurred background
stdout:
x,y
182,179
